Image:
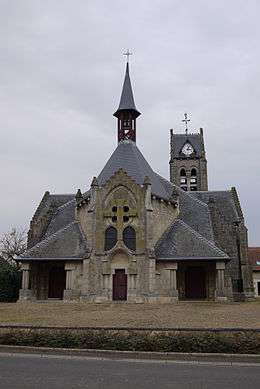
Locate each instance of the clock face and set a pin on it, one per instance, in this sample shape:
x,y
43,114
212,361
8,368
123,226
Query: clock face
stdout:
x,y
187,149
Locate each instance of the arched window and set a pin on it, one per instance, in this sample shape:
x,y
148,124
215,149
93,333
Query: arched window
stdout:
x,y
129,238
193,179
110,238
183,179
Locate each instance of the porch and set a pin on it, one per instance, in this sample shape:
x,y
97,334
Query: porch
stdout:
x,y
191,280
47,280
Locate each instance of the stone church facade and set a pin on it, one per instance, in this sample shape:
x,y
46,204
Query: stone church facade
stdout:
x,y
135,236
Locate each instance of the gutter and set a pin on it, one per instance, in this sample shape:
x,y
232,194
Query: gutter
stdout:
x,y
192,358
226,259
48,259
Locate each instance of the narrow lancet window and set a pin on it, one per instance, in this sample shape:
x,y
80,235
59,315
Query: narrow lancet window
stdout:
x,y
129,238
110,238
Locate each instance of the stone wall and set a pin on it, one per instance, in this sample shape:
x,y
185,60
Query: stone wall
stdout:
x,y
231,236
198,163
163,215
149,218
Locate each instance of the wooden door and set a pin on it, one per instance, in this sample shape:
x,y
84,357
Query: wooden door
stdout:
x,y
195,283
119,285
57,282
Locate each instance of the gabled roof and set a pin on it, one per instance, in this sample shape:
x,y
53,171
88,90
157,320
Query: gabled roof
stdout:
x,y
128,157
181,242
191,236
223,200
67,243
179,140
127,98
64,215
193,212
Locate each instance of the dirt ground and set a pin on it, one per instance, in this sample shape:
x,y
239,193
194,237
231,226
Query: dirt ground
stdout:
x,y
181,314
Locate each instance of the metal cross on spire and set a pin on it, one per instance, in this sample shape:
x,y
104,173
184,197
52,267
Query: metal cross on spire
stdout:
x,y
186,121
127,53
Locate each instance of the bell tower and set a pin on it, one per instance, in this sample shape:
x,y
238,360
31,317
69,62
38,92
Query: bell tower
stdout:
x,y
188,164
127,113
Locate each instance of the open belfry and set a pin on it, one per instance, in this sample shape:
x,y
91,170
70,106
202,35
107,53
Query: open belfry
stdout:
x,y
134,236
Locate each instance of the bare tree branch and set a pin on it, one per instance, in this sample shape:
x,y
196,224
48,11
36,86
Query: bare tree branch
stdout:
x,y
12,244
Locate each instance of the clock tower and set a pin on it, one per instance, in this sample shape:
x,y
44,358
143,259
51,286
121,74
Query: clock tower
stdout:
x,y
188,164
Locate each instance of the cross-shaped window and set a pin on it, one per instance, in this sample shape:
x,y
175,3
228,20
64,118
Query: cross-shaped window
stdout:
x,y
120,213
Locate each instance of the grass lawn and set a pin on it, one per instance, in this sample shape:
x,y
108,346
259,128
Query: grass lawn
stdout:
x,y
181,314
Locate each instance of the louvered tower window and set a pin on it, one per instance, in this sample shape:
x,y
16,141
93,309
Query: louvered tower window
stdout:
x,y
193,180
129,238
183,179
110,238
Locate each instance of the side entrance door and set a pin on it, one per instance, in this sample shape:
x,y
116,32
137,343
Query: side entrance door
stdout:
x,y
120,285
195,283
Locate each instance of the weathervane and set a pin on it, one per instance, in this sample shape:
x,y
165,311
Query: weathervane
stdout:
x,y
127,53
186,121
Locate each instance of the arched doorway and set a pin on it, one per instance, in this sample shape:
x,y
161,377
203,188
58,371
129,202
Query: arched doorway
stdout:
x,y
57,282
120,285
195,283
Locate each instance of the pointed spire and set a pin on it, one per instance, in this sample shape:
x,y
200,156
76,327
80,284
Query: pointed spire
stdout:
x,y
78,196
127,102
94,182
147,181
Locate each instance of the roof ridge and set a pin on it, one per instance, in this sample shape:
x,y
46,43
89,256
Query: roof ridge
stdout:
x,y
65,205
182,191
61,194
194,198
164,233
137,159
199,236
186,135
48,239
212,191
128,157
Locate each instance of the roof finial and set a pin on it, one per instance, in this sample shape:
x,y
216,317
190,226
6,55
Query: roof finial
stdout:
x,y
186,120
127,53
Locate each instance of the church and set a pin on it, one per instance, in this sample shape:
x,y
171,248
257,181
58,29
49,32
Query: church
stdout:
x,y
137,237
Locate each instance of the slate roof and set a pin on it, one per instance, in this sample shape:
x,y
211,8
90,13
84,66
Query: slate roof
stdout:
x,y
179,140
52,201
127,98
190,236
128,157
223,200
67,243
181,242
64,215
193,212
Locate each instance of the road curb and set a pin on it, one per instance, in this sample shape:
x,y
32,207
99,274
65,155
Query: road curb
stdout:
x,y
143,355
125,328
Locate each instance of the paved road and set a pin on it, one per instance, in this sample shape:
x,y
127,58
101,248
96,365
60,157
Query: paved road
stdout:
x,y
23,371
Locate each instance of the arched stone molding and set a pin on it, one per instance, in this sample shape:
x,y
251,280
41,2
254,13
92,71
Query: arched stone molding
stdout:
x,y
119,259
119,192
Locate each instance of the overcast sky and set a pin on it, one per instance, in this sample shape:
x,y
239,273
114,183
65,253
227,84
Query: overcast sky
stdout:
x,y
61,76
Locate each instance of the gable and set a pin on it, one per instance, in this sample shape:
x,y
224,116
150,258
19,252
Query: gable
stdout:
x,y
64,215
181,242
67,243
